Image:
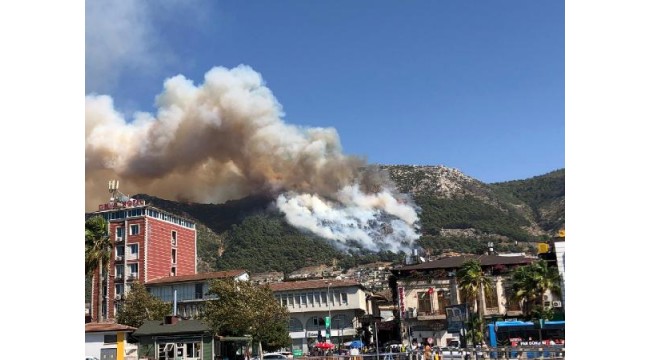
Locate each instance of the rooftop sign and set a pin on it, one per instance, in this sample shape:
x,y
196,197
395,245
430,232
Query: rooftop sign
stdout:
x,y
121,204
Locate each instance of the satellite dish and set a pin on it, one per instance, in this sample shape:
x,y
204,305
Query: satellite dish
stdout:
x,y
422,259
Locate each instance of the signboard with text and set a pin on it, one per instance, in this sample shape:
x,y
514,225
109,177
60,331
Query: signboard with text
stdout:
x,y
456,317
121,204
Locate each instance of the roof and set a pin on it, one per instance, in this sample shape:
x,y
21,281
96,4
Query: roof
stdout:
x,y
102,327
456,262
158,327
312,284
197,277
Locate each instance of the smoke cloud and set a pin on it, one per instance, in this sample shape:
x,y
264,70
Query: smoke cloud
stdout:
x,y
225,139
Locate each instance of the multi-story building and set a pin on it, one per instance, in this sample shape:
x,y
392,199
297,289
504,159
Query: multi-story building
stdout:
x,y
348,305
191,290
424,291
148,244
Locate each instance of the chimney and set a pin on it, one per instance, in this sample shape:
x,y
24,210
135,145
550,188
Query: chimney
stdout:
x,y
171,319
174,306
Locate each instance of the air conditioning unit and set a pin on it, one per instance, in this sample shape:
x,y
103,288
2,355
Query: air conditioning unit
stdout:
x,y
557,304
118,297
118,276
118,258
119,239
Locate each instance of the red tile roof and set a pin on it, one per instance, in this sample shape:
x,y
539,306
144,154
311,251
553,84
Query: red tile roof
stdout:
x,y
454,262
312,284
197,277
100,327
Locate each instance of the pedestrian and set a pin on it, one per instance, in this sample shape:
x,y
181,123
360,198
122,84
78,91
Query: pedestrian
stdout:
x,y
427,352
436,355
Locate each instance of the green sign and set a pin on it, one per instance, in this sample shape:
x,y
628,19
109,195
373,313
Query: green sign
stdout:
x,y
327,322
296,352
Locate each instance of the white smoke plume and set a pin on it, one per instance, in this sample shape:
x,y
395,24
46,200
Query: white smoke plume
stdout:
x,y
225,139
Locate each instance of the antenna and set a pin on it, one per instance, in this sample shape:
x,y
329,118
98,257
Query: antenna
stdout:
x,y
116,195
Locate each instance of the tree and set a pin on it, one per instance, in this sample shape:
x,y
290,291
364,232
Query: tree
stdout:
x,y
139,306
530,283
241,308
97,253
472,282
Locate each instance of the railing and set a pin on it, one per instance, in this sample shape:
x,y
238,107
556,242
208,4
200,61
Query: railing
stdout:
x,y
500,353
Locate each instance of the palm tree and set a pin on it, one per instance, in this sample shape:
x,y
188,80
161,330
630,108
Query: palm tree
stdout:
x,y
98,252
531,282
472,282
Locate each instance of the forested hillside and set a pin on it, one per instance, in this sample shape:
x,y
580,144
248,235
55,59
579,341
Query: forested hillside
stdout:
x,y
457,214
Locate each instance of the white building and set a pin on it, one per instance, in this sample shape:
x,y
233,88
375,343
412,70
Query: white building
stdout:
x,y
310,301
109,341
191,290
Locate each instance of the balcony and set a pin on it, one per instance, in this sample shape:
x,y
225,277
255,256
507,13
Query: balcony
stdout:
x,y
133,276
432,315
492,311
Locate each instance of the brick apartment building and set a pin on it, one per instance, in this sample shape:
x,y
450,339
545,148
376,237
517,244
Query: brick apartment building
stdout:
x,y
148,244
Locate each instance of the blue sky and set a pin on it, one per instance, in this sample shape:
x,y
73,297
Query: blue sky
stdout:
x,y
473,85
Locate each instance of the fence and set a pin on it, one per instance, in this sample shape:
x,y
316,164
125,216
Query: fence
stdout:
x,y
499,353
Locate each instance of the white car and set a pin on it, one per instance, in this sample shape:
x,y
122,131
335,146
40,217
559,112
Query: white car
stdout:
x,y
452,353
273,356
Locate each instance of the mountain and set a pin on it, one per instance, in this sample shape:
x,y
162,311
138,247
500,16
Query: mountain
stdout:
x,y
457,214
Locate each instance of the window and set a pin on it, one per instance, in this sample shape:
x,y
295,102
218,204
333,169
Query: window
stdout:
x,y
133,251
133,270
443,299
198,291
166,351
173,256
119,289
119,251
303,299
135,229
119,271
110,338
511,305
119,233
295,325
290,300
194,350
173,237
424,302
344,297
491,300
173,271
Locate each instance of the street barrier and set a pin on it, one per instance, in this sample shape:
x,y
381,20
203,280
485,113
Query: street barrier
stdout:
x,y
499,353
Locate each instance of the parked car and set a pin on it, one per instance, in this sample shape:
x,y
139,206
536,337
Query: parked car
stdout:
x,y
452,353
273,356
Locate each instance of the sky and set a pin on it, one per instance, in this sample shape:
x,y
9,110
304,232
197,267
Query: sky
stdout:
x,y
473,85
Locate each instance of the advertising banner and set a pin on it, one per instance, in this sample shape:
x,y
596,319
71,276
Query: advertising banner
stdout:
x,y
456,317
